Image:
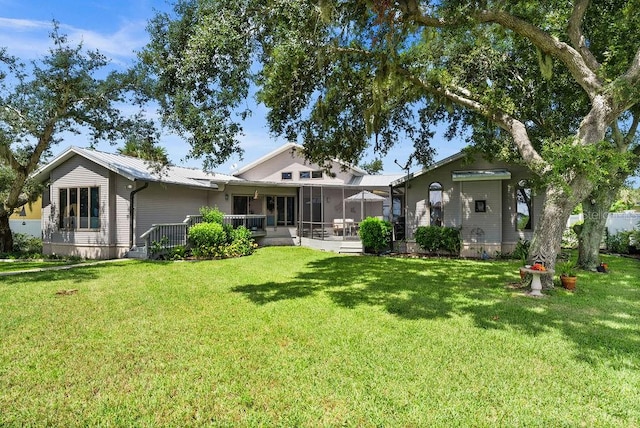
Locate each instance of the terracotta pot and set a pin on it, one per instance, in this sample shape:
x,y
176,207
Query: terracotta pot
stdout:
x,y
568,282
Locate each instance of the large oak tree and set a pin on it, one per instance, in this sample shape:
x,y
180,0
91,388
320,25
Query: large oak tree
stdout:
x,y
545,83
69,90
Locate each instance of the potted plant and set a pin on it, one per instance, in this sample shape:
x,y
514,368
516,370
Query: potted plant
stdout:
x,y
568,274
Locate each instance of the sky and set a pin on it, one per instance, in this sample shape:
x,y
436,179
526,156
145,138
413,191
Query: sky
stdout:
x,y
117,28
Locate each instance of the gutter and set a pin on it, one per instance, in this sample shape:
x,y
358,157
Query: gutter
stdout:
x,y
132,211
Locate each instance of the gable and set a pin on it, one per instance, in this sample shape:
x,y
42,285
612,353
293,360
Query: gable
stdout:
x,y
287,166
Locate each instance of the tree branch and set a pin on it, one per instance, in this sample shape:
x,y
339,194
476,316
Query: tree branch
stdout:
x,y
571,58
574,29
632,77
464,98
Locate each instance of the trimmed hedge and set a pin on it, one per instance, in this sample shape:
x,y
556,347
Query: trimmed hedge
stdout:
x,y
375,234
435,239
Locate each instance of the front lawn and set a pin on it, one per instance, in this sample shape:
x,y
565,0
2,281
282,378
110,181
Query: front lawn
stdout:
x,y
16,265
295,337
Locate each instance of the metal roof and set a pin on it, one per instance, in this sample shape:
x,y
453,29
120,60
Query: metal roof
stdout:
x,y
374,180
136,169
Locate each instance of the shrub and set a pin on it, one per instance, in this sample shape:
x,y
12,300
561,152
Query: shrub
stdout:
x,y
437,238
242,243
521,251
25,245
211,215
208,240
618,243
375,234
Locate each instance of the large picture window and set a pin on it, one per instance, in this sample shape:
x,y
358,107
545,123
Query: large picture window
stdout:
x,y
79,208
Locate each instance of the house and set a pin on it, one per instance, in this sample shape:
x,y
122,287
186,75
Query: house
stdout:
x,y
28,219
102,205
492,203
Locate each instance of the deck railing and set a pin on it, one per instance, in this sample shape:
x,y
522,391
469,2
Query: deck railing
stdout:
x,y
161,237
252,222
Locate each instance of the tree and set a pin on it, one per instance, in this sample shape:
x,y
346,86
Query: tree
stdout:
x,y
40,102
145,149
374,167
542,83
597,206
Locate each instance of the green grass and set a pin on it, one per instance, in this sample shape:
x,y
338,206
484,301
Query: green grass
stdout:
x,y
23,265
296,337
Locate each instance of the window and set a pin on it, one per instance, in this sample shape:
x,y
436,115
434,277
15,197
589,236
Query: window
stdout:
x,y
524,206
435,204
310,174
287,176
80,208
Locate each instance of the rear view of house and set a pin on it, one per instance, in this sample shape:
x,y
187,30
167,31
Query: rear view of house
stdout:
x,y
102,205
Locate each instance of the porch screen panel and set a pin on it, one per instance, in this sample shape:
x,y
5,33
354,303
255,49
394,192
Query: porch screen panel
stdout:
x,y
291,209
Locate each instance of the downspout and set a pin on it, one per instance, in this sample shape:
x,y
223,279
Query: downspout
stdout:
x,y
131,211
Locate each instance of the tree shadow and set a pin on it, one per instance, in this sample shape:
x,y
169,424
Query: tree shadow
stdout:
x,y
440,289
408,289
75,274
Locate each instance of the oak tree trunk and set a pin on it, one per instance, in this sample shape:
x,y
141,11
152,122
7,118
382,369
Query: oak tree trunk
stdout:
x,y
595,211
547,237
6,238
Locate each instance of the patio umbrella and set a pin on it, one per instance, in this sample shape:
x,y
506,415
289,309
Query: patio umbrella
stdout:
x,y
362,197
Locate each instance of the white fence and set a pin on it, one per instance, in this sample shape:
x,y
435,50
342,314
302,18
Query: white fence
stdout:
x,y
616,222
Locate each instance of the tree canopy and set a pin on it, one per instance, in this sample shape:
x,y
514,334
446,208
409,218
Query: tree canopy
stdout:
x,y
554,85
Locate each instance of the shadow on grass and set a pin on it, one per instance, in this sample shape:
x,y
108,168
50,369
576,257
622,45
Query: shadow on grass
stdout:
x,y
75,274
598,319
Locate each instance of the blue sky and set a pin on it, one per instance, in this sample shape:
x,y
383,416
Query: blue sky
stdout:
x,y
117,29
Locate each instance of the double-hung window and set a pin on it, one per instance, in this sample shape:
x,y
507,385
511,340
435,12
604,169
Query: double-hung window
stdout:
x,y
79,208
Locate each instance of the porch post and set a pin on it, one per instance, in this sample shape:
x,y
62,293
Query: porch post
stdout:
x,y
344,217
361,205
322,210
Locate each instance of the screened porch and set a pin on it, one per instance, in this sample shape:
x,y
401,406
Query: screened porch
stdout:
x,y
335,213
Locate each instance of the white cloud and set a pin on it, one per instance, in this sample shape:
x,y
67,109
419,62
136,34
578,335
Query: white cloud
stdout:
x,y
29,39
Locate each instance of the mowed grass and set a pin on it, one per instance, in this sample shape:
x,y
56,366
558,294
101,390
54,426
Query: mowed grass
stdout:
x,y
296,337
24,265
